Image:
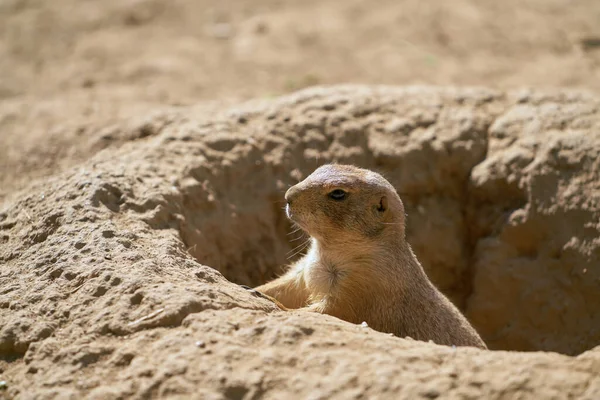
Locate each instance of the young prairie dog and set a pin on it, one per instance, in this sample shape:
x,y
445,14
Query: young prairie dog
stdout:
x,y
359,266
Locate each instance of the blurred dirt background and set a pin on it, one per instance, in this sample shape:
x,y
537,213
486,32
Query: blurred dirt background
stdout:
x,y
71,71
145,148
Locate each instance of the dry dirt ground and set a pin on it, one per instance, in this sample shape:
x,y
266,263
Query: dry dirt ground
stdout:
x,y
72,72
108,290
135,192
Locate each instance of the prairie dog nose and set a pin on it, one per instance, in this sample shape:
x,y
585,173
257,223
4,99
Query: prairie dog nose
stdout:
x,y
291,194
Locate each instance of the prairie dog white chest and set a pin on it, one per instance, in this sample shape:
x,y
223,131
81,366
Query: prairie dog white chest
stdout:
x,y
321,273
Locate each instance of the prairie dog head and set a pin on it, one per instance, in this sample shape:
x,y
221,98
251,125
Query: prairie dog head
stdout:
x,y
345,204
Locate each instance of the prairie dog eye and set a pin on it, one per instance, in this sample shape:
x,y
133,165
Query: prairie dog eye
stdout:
x,y
338,195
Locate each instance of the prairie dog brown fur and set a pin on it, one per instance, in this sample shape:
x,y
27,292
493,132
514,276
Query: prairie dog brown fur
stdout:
x,y
359,266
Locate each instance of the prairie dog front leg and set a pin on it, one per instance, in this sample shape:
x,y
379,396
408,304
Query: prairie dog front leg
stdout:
x,y
290,289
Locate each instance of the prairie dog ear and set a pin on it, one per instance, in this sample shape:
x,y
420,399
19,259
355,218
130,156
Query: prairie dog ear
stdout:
x,y
383,204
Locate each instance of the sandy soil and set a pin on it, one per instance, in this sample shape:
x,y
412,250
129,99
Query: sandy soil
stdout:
x,y
119,275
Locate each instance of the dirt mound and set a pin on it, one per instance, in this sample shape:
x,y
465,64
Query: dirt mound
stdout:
x,y
117,274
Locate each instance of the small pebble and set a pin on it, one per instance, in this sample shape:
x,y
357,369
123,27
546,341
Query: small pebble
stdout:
x,y
364,324
200,344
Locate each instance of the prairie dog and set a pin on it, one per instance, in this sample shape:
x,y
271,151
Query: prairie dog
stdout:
x,y
359,266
